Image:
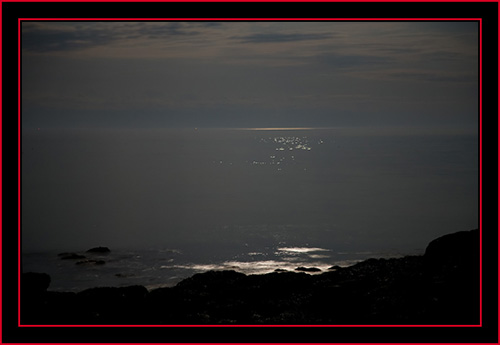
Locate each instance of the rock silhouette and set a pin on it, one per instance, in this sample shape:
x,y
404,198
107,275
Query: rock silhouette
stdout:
x,y
71,256
102,250
308,269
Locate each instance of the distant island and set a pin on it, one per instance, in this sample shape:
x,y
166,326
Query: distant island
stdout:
x,y
440,287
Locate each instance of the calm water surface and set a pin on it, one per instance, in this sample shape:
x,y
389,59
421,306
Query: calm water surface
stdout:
x,y
170,203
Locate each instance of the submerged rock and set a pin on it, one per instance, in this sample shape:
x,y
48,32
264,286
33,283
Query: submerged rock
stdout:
x,y
71,256
123,275
101,250
91,262
308,269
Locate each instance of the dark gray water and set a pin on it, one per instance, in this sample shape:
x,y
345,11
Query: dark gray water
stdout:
x,y
222,192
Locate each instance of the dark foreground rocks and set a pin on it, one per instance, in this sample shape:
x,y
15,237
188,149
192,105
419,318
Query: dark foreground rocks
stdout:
x,y
440,287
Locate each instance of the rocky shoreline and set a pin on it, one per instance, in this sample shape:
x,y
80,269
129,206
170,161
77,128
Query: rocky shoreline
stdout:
x,y
439,287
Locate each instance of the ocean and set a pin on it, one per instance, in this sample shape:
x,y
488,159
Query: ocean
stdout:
x,y
173,202
166,267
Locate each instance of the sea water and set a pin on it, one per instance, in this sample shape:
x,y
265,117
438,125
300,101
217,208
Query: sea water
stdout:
x,y
173,202
166,267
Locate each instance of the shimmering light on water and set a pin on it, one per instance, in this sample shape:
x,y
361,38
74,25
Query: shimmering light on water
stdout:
x,y
303,250
276,129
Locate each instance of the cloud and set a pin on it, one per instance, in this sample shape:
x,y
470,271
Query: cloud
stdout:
x,y
433,76
47,37
163,30
56,39
339,61
282,37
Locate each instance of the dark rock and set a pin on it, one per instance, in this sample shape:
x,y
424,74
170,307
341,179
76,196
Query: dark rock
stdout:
x,y
451,268
101,294
336,267
453,251
71,256
308,269
111,305
91,262
122,275
33,291
59,307
212,279
101,250
32,282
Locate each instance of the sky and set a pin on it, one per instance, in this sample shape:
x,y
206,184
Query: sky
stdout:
x,y
249,74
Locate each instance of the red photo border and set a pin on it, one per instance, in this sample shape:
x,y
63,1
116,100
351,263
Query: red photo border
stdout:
x,y
20,20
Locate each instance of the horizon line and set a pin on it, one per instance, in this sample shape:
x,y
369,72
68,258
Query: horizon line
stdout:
x,y
277,128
